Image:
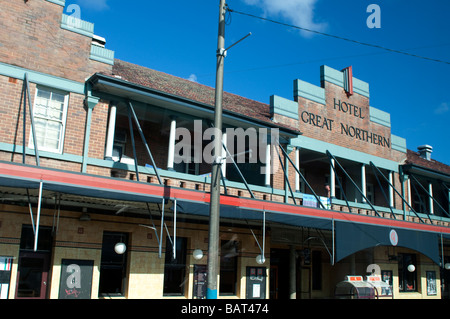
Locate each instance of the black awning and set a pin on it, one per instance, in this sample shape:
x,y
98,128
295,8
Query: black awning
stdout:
x,y
15,182
80,190
234,212
353,237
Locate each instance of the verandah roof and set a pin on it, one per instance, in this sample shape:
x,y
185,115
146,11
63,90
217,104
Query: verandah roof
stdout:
x,y
353,232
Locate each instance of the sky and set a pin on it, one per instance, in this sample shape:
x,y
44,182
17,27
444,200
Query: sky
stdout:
x,y
180,38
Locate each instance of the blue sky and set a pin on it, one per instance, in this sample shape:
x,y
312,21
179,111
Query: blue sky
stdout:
x,y
180,38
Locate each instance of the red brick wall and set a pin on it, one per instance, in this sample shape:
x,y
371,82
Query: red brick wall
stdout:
x,y
332,134
10,110
99,127
75,125
278,177
11,122
32,38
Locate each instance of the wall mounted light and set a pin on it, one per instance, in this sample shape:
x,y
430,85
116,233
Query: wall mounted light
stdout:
x,y
447,266
120,248
197,254
260,259
85,217
411,268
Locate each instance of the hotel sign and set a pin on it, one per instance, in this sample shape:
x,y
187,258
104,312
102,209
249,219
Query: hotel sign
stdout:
x,y
355,132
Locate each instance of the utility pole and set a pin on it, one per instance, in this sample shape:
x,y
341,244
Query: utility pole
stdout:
x,y
214,210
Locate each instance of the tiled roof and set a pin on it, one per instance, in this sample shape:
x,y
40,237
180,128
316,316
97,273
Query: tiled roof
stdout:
x,y
414,158
194,91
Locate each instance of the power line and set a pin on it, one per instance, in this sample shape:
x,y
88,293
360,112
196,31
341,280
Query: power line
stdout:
x,y
324,59
337,37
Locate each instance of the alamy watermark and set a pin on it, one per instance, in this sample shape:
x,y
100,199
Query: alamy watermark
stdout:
x,y
74,19
241,145
374,19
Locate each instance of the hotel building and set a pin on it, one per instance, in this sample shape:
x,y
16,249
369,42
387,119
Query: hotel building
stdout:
x,y
95,202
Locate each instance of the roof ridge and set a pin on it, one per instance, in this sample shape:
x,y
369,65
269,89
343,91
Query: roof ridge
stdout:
x,y
432,163
194,91
189,81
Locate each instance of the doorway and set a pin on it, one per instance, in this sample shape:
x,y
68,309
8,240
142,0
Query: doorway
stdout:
x,y
34,266
279,274
32,276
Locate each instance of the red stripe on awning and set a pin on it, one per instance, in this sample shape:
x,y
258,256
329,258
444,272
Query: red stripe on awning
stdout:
x,y
90,181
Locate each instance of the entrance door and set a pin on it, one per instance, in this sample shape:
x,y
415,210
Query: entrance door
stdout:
x,y
32,275
279,274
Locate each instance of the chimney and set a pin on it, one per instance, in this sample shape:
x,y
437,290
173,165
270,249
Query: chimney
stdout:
x,y
425,151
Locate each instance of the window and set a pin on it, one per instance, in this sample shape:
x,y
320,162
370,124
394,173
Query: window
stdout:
x,y
244,151
113,265
228,267
50,111
189,167
45,240
337,187
407,279
175,268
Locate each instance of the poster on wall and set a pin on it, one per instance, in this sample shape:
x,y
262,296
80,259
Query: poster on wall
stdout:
x,y
256,283
431,283
76,279
200,281
5,276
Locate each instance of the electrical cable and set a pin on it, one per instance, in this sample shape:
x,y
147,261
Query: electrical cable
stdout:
x,y
337,37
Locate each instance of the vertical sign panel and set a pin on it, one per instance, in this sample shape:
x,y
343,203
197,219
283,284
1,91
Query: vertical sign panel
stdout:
x,y
76,279
256,283
200,281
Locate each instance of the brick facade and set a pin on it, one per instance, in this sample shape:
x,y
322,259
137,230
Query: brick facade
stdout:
x,y
35,27
59,59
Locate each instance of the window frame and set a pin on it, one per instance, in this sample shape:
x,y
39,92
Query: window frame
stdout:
x,y
175,267
63,121
226,247
117,263
404,275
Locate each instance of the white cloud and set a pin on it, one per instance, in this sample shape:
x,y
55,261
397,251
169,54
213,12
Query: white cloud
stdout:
x,y
192,78
298,12
441,109
97,5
